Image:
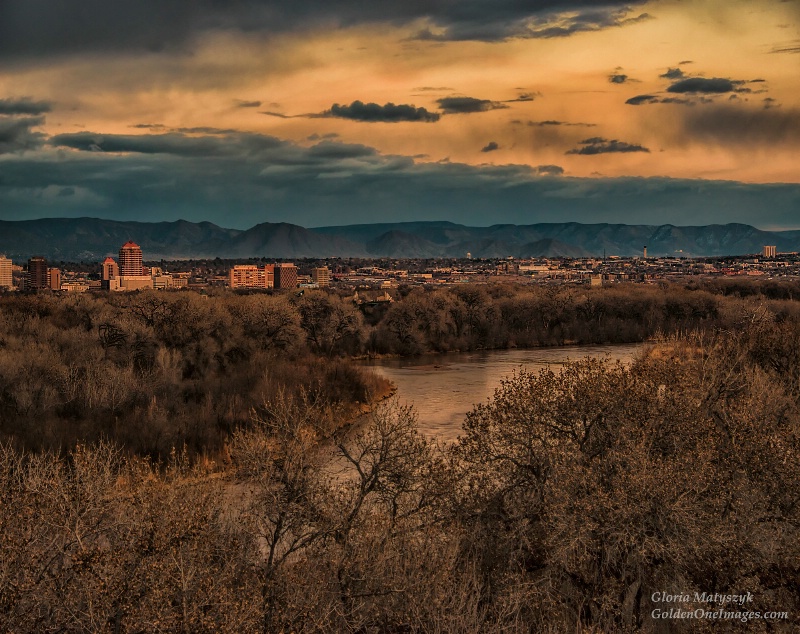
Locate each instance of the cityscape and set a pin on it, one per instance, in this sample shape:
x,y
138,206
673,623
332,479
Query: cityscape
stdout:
x,y
128,272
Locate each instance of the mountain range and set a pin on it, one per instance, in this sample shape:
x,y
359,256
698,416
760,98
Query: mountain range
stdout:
x,y
87,239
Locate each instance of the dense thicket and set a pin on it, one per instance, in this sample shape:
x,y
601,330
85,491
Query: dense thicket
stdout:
x,y
569,500
152,371
156,370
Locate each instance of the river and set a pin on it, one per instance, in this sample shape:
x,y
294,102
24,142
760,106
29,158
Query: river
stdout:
x,y
443,388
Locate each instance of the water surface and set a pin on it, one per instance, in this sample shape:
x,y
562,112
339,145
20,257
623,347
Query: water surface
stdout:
x,y
443,388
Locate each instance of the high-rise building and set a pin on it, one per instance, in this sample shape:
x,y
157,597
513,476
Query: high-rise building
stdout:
x,y
321,276
6,275
54,279
251,276
110,269
130,259
37,273
770,251
285,275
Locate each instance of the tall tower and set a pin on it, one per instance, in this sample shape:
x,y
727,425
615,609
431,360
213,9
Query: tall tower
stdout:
x,y
644,252
130,259
37,273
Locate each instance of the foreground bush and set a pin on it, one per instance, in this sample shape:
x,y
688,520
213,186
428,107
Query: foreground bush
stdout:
x,y
571,499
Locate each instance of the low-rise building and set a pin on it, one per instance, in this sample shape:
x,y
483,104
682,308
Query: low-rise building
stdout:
x,y
251,276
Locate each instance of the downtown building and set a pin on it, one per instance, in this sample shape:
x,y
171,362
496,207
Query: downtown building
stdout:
x,y
132,275
37,278
6,273
285,275
321,276
128,274
252,276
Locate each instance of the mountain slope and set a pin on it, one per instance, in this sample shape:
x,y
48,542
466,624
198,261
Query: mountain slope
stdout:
x,y
88,239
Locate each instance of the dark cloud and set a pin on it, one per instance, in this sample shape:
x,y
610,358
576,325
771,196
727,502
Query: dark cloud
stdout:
x,y
25,105
433,89
467,105
673,73
317,137
598,145
336,150
389,113
549,170
553,122
16,134
715,85
739,125
617,78
640,100
558,20
247,104
38,28
241,179
174,143
490,147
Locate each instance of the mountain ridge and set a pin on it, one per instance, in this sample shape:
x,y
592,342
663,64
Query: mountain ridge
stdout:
x,y
87,239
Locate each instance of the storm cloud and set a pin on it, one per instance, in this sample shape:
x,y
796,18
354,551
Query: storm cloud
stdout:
x,y
467,105
25,105
247,178
39,28
599,145
389,113
16,134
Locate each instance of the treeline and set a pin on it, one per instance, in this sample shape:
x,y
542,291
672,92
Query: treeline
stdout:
x,y
156,370
571,499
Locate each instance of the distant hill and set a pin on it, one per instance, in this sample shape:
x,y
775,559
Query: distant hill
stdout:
x,y
88,239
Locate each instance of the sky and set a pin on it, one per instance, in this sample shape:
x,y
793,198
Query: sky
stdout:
x,y
331,112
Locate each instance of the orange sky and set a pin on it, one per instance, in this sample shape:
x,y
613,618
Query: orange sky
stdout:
x,y
551,101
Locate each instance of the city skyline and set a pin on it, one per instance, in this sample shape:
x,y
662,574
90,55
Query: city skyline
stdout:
x,y
334,113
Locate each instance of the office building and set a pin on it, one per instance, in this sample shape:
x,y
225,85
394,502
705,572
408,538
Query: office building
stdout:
x,y
130,260
321,276
54,279
770,251
110,269
285,276
6,275
251,276
37,273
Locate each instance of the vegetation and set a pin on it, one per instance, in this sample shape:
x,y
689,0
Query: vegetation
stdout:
x,y
570,499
